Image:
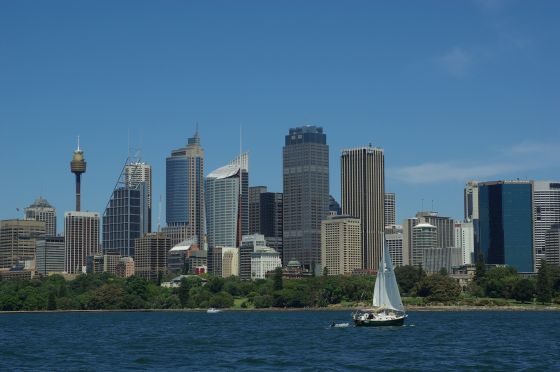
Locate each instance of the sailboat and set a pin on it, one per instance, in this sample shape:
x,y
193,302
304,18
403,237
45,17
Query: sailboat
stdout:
x,y
388,309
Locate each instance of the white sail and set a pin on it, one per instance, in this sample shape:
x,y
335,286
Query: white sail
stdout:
x,y
386,293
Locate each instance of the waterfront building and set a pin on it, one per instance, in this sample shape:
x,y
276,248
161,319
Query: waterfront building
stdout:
x,y
18,241
136,174
264,260
255,208
227,207
506,223
341,244
50,255
390,209
424,236
41,210
184,187
552,245
464,239
150,260
306,194
363,196
546,213
81,239
435,259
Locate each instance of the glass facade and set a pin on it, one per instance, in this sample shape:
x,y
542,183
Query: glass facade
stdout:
x,y
177,190
506,224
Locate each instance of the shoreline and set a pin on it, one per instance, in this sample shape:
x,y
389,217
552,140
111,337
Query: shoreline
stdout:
x,y
412,308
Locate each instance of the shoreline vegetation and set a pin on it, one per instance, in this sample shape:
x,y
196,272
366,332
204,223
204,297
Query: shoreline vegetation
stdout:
x,y
494,289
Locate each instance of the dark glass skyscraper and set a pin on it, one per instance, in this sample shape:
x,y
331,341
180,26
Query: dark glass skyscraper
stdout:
x,y
185,190
506,223
306,193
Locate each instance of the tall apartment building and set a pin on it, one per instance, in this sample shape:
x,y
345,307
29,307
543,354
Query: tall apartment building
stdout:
x,y
81,239
41,210
136,174
50,255
227,207
445,227
255,208
306,194
341,245
363,196
506,223
464,239
546,213
424,236
184,185
150,260
390,209
18,241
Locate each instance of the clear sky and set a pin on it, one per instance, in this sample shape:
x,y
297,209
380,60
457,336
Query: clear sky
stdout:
x,y
452,90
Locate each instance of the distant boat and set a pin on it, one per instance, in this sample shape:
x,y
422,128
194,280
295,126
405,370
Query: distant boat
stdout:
x,y
388,309
213,311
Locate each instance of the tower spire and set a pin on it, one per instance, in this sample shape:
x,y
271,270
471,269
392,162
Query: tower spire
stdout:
x,y
78,166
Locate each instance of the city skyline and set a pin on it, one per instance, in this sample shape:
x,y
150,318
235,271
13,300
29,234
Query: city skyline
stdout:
x,y
478,101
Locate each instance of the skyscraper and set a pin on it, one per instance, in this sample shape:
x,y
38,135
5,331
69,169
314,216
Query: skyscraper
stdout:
x,y
424,236
255,208
185,191
390,209
41,210
464,239
341,245
50,255
271,216
546,213
471,200
306,194
81,239
136,174
363,196
506,223
151,250
552,245
444,226
227,205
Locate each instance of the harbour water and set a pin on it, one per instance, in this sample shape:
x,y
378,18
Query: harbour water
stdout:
x,y
287,340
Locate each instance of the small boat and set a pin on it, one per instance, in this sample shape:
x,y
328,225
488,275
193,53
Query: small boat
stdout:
x,y
213,311
388,309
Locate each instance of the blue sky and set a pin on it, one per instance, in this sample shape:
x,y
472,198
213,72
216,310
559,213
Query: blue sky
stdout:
x,y
452,90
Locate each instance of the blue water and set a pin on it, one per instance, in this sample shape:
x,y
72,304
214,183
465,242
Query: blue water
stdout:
x,y
278,341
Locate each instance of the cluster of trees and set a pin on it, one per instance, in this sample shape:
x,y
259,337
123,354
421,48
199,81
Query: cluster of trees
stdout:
x,y
107,292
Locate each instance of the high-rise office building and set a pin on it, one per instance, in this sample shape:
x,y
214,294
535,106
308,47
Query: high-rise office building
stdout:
x,y
50,255
424,236
552,245
506,223
255,208
363,196
471,201
126,219
41,210
407,227
150,259
227,205
81,239
18,241
394,239
334,207
185,191
249,245
546,213
341,244
390,209
445,227
138,173
271,216
306,194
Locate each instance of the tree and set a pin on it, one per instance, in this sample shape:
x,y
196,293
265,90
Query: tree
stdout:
x,y
51,301
438,288
278,281
407,277
544,284
183,292
523,290
480,272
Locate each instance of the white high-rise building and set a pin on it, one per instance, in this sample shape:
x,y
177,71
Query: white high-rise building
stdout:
x,y
390,209
471,201
464,239
41,210
135,174
81,239
394,239
263,260
546,213
424,236
50,255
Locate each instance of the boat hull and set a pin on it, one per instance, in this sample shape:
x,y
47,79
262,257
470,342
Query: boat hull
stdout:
x,y
380,323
